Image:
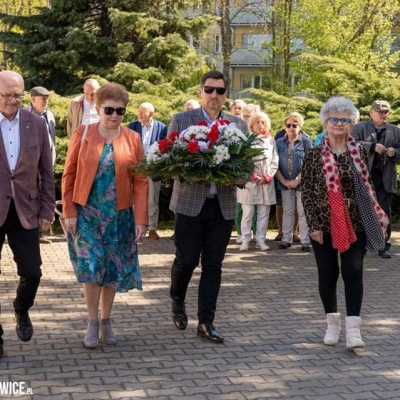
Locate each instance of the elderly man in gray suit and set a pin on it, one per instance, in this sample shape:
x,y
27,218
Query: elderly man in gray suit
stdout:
x,y
26,193
382,142
204,216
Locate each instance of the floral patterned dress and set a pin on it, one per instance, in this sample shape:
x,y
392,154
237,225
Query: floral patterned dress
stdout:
x,y
104,250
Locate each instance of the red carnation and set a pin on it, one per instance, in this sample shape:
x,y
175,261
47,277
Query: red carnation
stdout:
x,y
223,122
212,136
193,147
173,136
164,145
202,123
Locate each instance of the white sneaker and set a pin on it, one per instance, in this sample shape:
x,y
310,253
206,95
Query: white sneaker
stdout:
x,y
262,246
239,239
244,246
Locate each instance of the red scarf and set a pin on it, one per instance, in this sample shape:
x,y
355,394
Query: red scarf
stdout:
x,y
342,231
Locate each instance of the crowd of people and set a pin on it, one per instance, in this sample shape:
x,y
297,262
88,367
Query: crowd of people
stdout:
x,y
333,197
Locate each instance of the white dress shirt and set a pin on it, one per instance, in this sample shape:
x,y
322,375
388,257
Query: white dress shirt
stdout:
x,y
90,115
11,139
147,132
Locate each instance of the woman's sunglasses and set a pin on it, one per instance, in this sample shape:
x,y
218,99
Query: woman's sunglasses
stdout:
x,y
291,126
111,110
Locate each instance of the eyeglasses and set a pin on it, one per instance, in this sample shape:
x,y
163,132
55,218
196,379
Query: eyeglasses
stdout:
x,y
210,89
382,112
16,97
291,126
335,121
111,110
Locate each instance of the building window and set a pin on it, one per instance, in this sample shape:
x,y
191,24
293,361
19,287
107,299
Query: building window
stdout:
x,y
217,44
254,42
193,42
296,45
250,81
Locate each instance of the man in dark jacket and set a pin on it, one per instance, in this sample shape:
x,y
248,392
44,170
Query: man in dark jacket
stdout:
x,y
382,142
151,131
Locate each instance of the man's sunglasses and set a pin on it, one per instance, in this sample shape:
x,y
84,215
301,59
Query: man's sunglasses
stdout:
x,y
291,126
210,89
111,110
386,112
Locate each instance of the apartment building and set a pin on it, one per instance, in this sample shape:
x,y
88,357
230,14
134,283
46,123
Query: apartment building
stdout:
x,y
249,56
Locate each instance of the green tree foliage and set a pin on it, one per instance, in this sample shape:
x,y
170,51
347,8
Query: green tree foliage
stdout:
x,y
358,31
357,34
74,39
278,107
15,7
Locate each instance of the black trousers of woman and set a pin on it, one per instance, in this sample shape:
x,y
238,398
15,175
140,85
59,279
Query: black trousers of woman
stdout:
x,y
206,235
351,268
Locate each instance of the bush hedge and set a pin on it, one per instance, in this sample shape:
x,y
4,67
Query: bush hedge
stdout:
x,y
168,104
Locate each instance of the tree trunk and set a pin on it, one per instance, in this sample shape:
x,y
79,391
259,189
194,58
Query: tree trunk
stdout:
x,y
226,39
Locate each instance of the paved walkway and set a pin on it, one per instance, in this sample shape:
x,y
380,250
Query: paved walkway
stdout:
x,y
269,313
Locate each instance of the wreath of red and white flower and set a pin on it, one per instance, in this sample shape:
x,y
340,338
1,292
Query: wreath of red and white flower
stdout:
x,y
220,154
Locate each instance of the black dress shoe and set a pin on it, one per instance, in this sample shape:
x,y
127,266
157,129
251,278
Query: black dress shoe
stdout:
x,y
24,327
384,254
306,249
179,316
208,333
284,245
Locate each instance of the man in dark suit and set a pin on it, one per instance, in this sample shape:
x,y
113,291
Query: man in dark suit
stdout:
x,y
150,131
40,105
381,140
204,216
26,192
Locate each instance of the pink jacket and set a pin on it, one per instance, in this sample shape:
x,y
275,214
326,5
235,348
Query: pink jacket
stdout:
x,y
81,167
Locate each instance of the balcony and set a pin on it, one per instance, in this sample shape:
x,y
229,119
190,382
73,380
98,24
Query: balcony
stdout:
x,y
246,57
249,16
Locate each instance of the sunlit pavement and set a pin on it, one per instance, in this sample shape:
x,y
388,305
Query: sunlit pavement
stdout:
x,y
269,313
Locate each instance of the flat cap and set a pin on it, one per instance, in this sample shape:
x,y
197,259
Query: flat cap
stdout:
x,y
39,91
380,105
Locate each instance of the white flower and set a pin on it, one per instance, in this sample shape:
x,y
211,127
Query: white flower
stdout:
x,y
153,153
230,134
222,154
194,132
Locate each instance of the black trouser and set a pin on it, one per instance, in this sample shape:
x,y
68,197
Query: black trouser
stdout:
x,y
351,268
208,235
384,200
24,244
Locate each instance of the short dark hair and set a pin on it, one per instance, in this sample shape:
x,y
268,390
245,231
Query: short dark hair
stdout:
x,y
213,75
111,91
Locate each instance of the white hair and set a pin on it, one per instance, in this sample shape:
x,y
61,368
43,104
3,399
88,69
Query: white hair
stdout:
x,y
147,106
339,104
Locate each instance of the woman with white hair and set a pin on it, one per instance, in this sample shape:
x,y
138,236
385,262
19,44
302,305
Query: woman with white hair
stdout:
x,y
343,216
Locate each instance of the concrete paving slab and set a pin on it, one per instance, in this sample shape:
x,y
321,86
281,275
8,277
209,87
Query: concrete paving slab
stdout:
x,y
269,313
